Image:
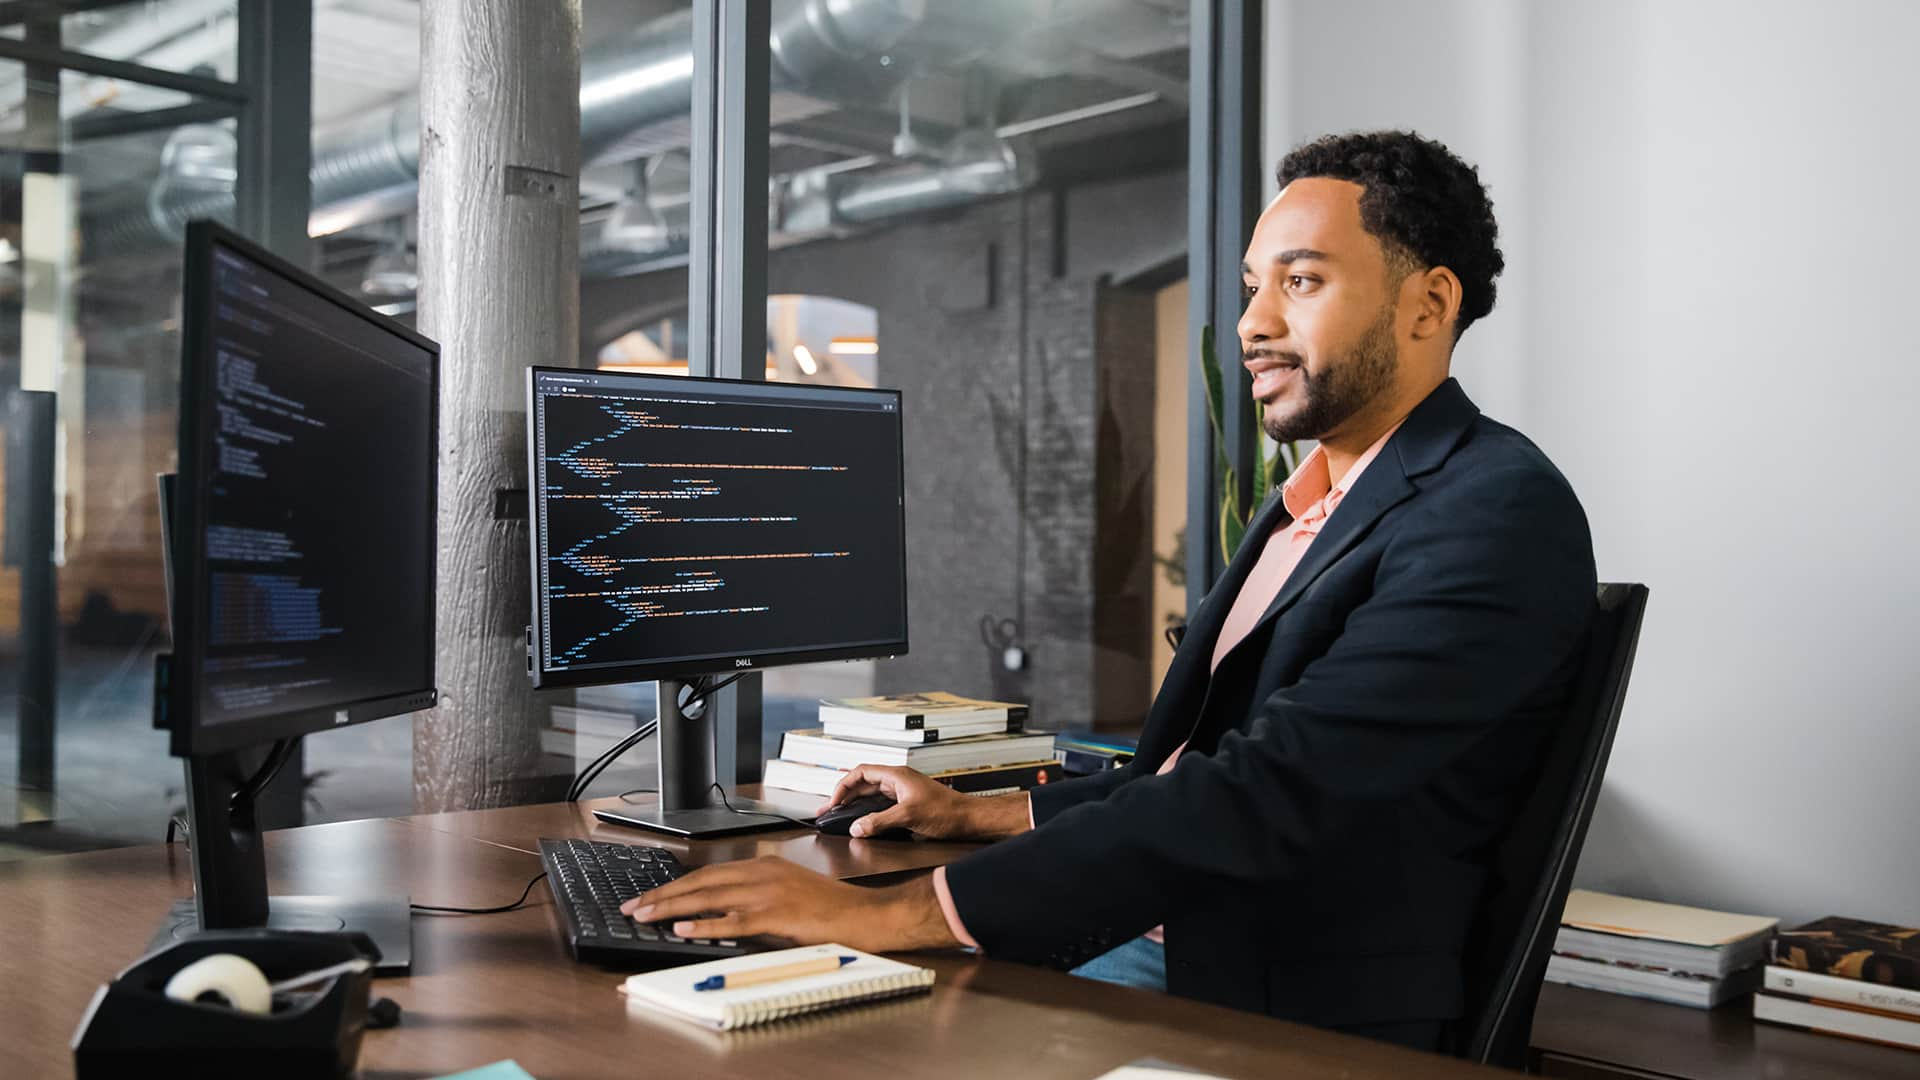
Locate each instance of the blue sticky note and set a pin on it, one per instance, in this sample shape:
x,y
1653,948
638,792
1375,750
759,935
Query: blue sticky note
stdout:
x,y
499,1070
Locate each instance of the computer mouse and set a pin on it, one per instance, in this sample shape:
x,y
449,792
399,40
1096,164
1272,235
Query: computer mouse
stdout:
x,y
838,820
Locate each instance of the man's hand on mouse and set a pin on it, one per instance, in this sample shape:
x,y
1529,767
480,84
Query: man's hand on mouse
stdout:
x,y
772,896
929,807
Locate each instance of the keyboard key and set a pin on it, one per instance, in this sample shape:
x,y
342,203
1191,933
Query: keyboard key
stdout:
x,y
590,880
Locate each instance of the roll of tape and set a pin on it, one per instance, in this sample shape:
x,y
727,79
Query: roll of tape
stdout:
x,y
224,979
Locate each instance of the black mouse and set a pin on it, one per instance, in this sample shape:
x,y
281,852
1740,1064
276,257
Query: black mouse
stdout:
x,y
838,820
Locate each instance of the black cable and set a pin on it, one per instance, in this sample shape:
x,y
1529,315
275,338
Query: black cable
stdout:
x,y
250,789
636,791
703,688
524,893
592,768
754,813
598,765
714,688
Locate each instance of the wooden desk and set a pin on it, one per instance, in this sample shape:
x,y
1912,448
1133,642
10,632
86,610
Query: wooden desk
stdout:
x,y
1589,1035
486,987
518,827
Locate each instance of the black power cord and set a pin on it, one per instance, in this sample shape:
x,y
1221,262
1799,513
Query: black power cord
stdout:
x,y
243,796
724,801
277,757
598,765
702,689
524,893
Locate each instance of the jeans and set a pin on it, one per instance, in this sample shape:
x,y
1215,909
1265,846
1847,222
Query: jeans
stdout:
x,y
1140,963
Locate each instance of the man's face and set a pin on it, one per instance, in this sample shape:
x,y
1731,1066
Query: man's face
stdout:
x,y
1319,333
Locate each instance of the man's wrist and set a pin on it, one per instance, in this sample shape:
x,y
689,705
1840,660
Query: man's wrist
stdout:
x,y
996,817
913,919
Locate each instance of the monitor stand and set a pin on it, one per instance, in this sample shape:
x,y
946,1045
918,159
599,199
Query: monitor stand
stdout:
x,y
388,920
689,805
230,875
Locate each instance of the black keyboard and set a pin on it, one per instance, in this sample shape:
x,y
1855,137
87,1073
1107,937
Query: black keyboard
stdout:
x,y
590,879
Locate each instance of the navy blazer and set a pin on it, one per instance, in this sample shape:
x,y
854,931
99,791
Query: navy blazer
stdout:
x,y
1318,852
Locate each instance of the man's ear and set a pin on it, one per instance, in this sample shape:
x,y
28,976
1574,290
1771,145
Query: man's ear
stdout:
x,y
1435,298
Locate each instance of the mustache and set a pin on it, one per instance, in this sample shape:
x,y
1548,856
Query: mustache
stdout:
x,y
1292,358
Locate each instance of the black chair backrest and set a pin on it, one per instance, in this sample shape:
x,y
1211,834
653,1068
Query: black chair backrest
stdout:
x,y
1514,929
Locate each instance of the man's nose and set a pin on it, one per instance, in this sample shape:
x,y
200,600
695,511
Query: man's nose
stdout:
x,y
1261,321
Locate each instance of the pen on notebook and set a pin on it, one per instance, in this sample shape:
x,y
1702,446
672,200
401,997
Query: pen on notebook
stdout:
x,y
773,973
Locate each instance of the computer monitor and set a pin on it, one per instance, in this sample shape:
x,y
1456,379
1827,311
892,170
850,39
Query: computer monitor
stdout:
x,y
687,527
302,538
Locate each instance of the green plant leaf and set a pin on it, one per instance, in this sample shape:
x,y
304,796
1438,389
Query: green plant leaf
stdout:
x,y
1232,531
1210,374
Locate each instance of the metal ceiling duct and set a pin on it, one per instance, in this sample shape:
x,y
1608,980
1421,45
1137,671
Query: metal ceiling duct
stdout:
x,y
363,169
974,165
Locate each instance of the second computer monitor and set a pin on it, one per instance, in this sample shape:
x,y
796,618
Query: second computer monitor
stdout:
x,y
302,546
686,526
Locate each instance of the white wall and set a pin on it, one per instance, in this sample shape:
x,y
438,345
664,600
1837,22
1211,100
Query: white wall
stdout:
x,y
1709,321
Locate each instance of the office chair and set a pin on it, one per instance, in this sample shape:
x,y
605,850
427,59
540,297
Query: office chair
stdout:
x,y
1515,926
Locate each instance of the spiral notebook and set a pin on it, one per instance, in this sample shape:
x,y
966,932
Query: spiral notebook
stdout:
x,y
867,978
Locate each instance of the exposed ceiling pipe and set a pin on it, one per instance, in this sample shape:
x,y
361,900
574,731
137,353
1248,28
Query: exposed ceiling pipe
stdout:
x,y
625,83
973,165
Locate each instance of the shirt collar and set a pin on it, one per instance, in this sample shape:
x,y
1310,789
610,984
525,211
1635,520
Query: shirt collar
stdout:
x,y
1309,483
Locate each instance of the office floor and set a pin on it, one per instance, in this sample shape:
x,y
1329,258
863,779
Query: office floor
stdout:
x,y
115,784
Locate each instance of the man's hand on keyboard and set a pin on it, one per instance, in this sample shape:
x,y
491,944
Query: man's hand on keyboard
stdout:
x,y
772,896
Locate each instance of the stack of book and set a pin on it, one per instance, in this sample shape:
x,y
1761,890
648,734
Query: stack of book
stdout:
x,y
979,747
1084,752
582,733
1845,977
1667,952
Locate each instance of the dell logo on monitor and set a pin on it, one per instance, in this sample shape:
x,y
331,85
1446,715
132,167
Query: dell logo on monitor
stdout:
x,y
745,661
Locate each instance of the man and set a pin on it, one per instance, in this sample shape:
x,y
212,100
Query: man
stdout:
x,y
1358,705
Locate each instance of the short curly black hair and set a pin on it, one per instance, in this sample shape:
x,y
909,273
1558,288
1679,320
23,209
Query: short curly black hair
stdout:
x,y
1426,206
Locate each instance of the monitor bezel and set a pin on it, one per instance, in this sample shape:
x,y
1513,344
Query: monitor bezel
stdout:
x,y
728,664
189,736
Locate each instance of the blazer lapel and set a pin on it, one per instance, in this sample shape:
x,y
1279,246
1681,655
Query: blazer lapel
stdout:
x,y
1423,442
1184,688
1271,515
1382,487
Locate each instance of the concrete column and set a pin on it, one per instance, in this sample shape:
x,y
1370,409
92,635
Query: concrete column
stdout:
x,y
499,289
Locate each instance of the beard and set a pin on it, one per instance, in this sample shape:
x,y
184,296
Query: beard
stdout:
x,y
1343,389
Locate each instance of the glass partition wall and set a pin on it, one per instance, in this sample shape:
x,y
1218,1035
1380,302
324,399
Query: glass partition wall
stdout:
x,y
1001,189
110,118
987,206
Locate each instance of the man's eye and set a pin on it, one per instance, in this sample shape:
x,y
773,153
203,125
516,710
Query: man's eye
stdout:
x,y
1246,292
1298,281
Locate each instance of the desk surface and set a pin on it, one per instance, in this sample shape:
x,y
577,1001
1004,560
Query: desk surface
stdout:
x,y
1591,1035
486,987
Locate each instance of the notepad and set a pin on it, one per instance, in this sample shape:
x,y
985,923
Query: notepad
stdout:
x,y
867,978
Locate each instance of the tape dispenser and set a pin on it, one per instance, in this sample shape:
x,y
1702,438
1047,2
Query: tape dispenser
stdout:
x,y
289,1004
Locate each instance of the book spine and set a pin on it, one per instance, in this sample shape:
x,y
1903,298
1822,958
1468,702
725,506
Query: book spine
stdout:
x,y
975,723
1846,961
840,729
1019,778
808,779
1836,1020
813,750
1086,740
1833,988
890,721
1082,762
